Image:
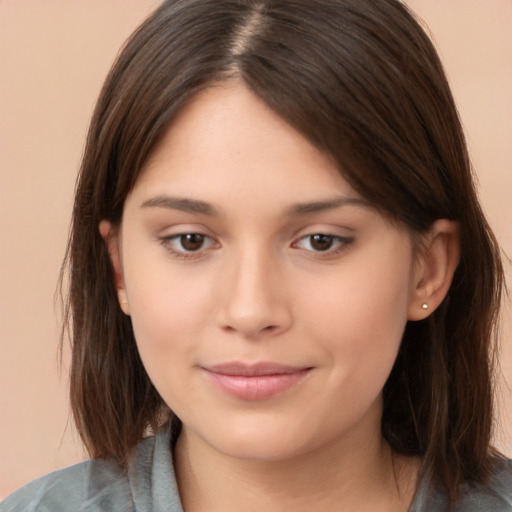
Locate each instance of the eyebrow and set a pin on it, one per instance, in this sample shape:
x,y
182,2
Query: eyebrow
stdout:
x,y
204,208
329,204
182,204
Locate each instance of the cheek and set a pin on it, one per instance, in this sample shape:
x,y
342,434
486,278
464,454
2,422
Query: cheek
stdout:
x,y
168,318
361,312
168,305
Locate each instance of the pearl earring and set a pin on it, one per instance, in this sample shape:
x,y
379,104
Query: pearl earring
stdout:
x,y
424,305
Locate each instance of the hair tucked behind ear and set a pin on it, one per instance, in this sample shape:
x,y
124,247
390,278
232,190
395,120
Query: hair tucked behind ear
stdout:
x,y
361,80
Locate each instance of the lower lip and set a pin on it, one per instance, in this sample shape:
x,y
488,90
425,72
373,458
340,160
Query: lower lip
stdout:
x,y
258,387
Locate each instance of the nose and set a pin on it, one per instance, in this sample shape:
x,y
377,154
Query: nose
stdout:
x,y
254,303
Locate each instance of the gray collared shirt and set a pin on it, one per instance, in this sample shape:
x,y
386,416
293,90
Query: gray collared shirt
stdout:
x,y
149,485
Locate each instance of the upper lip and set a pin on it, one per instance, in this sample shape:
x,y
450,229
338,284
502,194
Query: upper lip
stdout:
x,y
253,369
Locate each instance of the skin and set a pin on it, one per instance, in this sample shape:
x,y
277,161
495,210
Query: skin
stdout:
x,y
257,286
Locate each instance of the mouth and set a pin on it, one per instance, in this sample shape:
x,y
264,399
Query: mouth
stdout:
x,y
254,382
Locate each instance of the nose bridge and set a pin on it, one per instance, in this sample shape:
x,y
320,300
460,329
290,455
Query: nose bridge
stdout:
x,y
254,299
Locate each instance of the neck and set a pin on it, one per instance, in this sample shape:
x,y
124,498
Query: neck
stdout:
x,y
360,475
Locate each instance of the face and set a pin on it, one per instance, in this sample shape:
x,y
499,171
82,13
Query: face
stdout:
x,y
268,299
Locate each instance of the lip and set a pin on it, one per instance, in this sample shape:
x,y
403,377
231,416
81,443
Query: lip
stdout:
x,y
254,382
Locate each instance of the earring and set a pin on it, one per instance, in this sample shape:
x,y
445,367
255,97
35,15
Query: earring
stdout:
x,y
424,305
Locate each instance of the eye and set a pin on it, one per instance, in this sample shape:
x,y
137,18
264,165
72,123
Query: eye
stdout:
x,y
191,241
187,243
320,242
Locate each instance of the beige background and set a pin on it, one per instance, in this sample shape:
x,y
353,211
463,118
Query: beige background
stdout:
x,y
54,55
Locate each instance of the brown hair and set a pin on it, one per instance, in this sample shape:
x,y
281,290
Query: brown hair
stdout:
x,y
362,81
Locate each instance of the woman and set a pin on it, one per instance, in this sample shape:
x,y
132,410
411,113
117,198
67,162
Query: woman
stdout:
x,y
278,265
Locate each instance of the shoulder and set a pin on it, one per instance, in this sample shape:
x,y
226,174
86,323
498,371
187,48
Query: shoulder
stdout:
x,y
97,484
495,496
80,487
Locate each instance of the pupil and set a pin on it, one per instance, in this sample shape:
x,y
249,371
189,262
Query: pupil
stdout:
x,y
192,242
321,242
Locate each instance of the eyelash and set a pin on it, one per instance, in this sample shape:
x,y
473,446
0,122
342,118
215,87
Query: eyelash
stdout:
x,y
341,242
169,241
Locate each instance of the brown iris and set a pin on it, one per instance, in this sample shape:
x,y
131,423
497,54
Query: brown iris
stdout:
x,y
192,241
321,242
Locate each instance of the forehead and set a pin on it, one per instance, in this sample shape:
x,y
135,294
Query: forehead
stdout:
x,y
227,139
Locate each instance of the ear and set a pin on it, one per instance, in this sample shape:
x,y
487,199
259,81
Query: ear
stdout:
x,y
111,237
434,268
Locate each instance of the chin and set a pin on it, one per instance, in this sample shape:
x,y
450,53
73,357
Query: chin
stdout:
x,y
262,439
260,449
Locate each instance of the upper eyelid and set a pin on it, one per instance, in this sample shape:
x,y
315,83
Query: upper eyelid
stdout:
x,y
178,229
325,232
340,238
342,232
174,236
328,230
167,241
295,236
